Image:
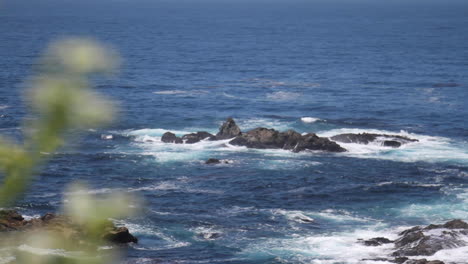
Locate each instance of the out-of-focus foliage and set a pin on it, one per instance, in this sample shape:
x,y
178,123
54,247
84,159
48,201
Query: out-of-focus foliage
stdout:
x,y
61,99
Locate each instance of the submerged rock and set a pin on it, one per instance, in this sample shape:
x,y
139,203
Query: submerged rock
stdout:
x,y
11,220
377,241
394,141
229,129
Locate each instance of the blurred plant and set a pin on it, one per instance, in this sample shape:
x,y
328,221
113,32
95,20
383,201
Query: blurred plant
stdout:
x,y
62,99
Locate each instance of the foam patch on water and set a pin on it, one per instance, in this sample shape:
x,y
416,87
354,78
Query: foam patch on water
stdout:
x,y
167,241
308,119
283,96
428,149
342,247
440,210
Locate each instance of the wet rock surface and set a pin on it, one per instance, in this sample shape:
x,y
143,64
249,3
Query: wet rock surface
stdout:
x,y
259,138
424,241
394,141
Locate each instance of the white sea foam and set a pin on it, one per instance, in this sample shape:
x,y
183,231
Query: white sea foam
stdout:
x,y
440,210
170,92
340,247
247,124
428,149
308,119
283,96
4,107
146,230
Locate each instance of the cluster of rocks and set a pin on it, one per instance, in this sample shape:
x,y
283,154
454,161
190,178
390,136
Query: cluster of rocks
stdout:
x,y
264,138
393,141
423,241
11,221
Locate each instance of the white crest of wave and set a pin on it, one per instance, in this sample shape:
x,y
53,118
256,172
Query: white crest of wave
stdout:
x,y
308,119
428,149
169,92
441,210
342,247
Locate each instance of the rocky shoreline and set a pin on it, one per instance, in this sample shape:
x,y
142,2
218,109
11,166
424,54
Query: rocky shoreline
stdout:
x,y
267,138
416,242
12,221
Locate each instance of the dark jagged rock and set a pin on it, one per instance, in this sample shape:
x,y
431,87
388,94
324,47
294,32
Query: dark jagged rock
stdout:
x,y
196,137
11,220
391,143
229,129
423,261
212,161
366,138
424,241
260,138
427,241
119,235
313,142
377,241
169,137
264,138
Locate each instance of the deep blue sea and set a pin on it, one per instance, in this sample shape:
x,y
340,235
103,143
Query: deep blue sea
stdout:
x,y
391,67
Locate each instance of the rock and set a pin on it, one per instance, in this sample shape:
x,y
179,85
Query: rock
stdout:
x,y
264,138
391,143
427,241
169,137
12,221
229,129
423,261
377,241
196,137
366,138
120,235
313,142
212,161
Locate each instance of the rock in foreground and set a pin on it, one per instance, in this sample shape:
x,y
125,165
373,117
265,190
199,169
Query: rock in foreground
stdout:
x,y
424,241
11,220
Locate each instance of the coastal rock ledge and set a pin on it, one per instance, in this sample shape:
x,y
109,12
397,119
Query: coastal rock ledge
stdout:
x,y
424,241
12,221
259,138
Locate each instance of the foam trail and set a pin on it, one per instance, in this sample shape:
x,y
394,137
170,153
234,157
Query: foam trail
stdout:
x,y
428,149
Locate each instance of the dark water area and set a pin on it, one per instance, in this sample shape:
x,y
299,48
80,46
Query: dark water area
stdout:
x,y
322,67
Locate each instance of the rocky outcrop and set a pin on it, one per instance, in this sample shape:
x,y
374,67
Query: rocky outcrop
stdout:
x,y
264,138
191,138
196,137
229,129
260,138
169,137
424,241
11,220
394,141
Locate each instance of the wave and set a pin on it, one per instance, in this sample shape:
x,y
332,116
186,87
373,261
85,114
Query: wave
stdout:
x,y
428,149
308,119
440,210
339,247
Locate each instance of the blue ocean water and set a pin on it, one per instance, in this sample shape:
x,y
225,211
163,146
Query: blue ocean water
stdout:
x,y
322,67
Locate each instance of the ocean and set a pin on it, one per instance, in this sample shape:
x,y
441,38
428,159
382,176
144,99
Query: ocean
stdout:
x,y
313,66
